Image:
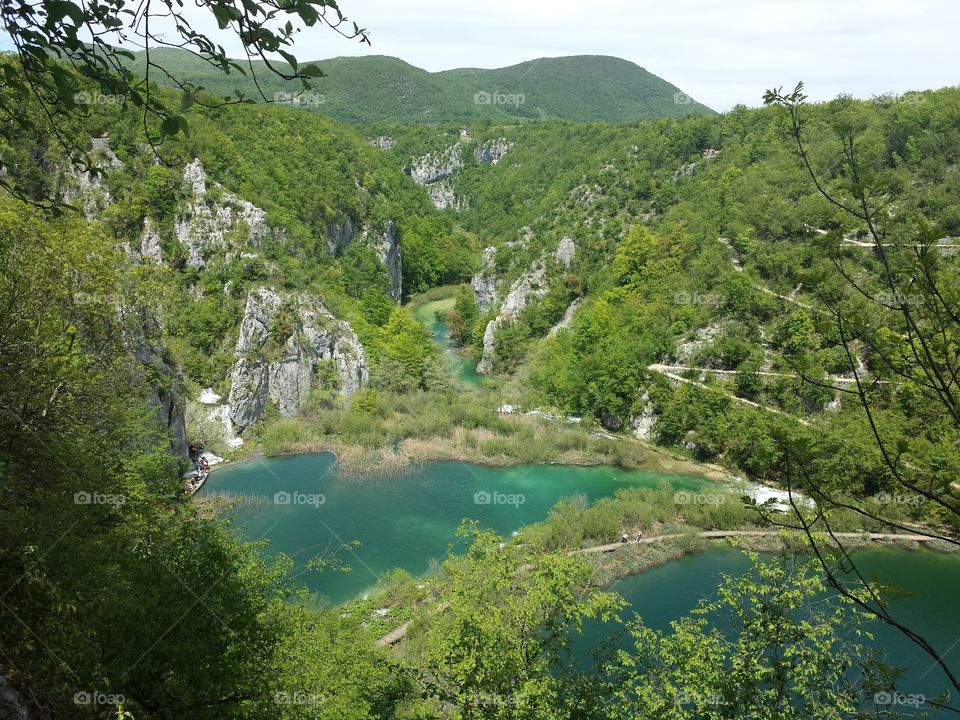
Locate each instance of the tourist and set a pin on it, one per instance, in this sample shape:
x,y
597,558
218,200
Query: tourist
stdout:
x,y
624,537
639,534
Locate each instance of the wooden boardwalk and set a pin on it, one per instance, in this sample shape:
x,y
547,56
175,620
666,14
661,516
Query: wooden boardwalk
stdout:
x,y
396,635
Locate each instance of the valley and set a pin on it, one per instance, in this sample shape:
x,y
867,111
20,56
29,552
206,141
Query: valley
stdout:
x,y
444,348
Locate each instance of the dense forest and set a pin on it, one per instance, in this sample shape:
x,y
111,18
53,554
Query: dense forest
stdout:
x,y
694,281
384,89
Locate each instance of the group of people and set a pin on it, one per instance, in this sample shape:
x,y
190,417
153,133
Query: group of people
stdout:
x,y
201,468
625,537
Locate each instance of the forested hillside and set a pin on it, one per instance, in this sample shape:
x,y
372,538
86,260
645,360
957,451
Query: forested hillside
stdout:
x,y
680,281
679,275
384,89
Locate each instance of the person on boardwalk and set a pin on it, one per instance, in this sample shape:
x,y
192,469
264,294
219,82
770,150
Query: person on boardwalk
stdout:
x,y
639,534
624,537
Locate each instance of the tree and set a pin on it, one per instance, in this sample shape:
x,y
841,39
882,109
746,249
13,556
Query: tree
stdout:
x,y
636,249
502,649
768,647
464,315
896,320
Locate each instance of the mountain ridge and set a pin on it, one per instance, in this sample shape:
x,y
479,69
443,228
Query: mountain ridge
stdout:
x,y
384,89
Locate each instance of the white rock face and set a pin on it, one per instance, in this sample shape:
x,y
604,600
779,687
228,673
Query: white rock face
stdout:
x,y
484,283
444,196
207,223
435,166
340,236
492,152
566,251
86,189
703,337
529,286
433,171
643,423
288,374
150,244
384,142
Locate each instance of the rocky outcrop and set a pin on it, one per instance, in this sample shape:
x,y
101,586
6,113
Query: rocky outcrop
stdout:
x,y
610,421
435,166
433,171
340,236
643,423
565,252
684,171
529,286
384,142
492,152
211,220
85,188
166,394
281,341
484,283
687,350
149,248
13,705
382,238
444,196
384,241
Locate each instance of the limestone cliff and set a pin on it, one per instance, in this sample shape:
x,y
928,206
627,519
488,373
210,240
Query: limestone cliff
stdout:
x,y
210,220
484,283
281,342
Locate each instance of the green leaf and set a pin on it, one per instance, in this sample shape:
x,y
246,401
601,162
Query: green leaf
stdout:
x,y
170,126
289,58
222,15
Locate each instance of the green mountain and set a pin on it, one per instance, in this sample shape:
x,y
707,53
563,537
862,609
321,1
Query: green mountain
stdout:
x,y
384,89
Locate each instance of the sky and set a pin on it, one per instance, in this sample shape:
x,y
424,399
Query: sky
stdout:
x,y
721,52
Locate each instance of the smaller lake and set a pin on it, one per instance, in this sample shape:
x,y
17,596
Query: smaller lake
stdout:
x,y
403,520
671,591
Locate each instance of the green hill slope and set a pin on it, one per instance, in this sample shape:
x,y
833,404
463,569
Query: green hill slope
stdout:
x,y
384,89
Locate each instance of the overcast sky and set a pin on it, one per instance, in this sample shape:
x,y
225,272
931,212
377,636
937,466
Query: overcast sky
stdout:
x,y
721,52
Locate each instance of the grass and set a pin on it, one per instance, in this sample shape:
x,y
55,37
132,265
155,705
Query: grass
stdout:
x,y
399,430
